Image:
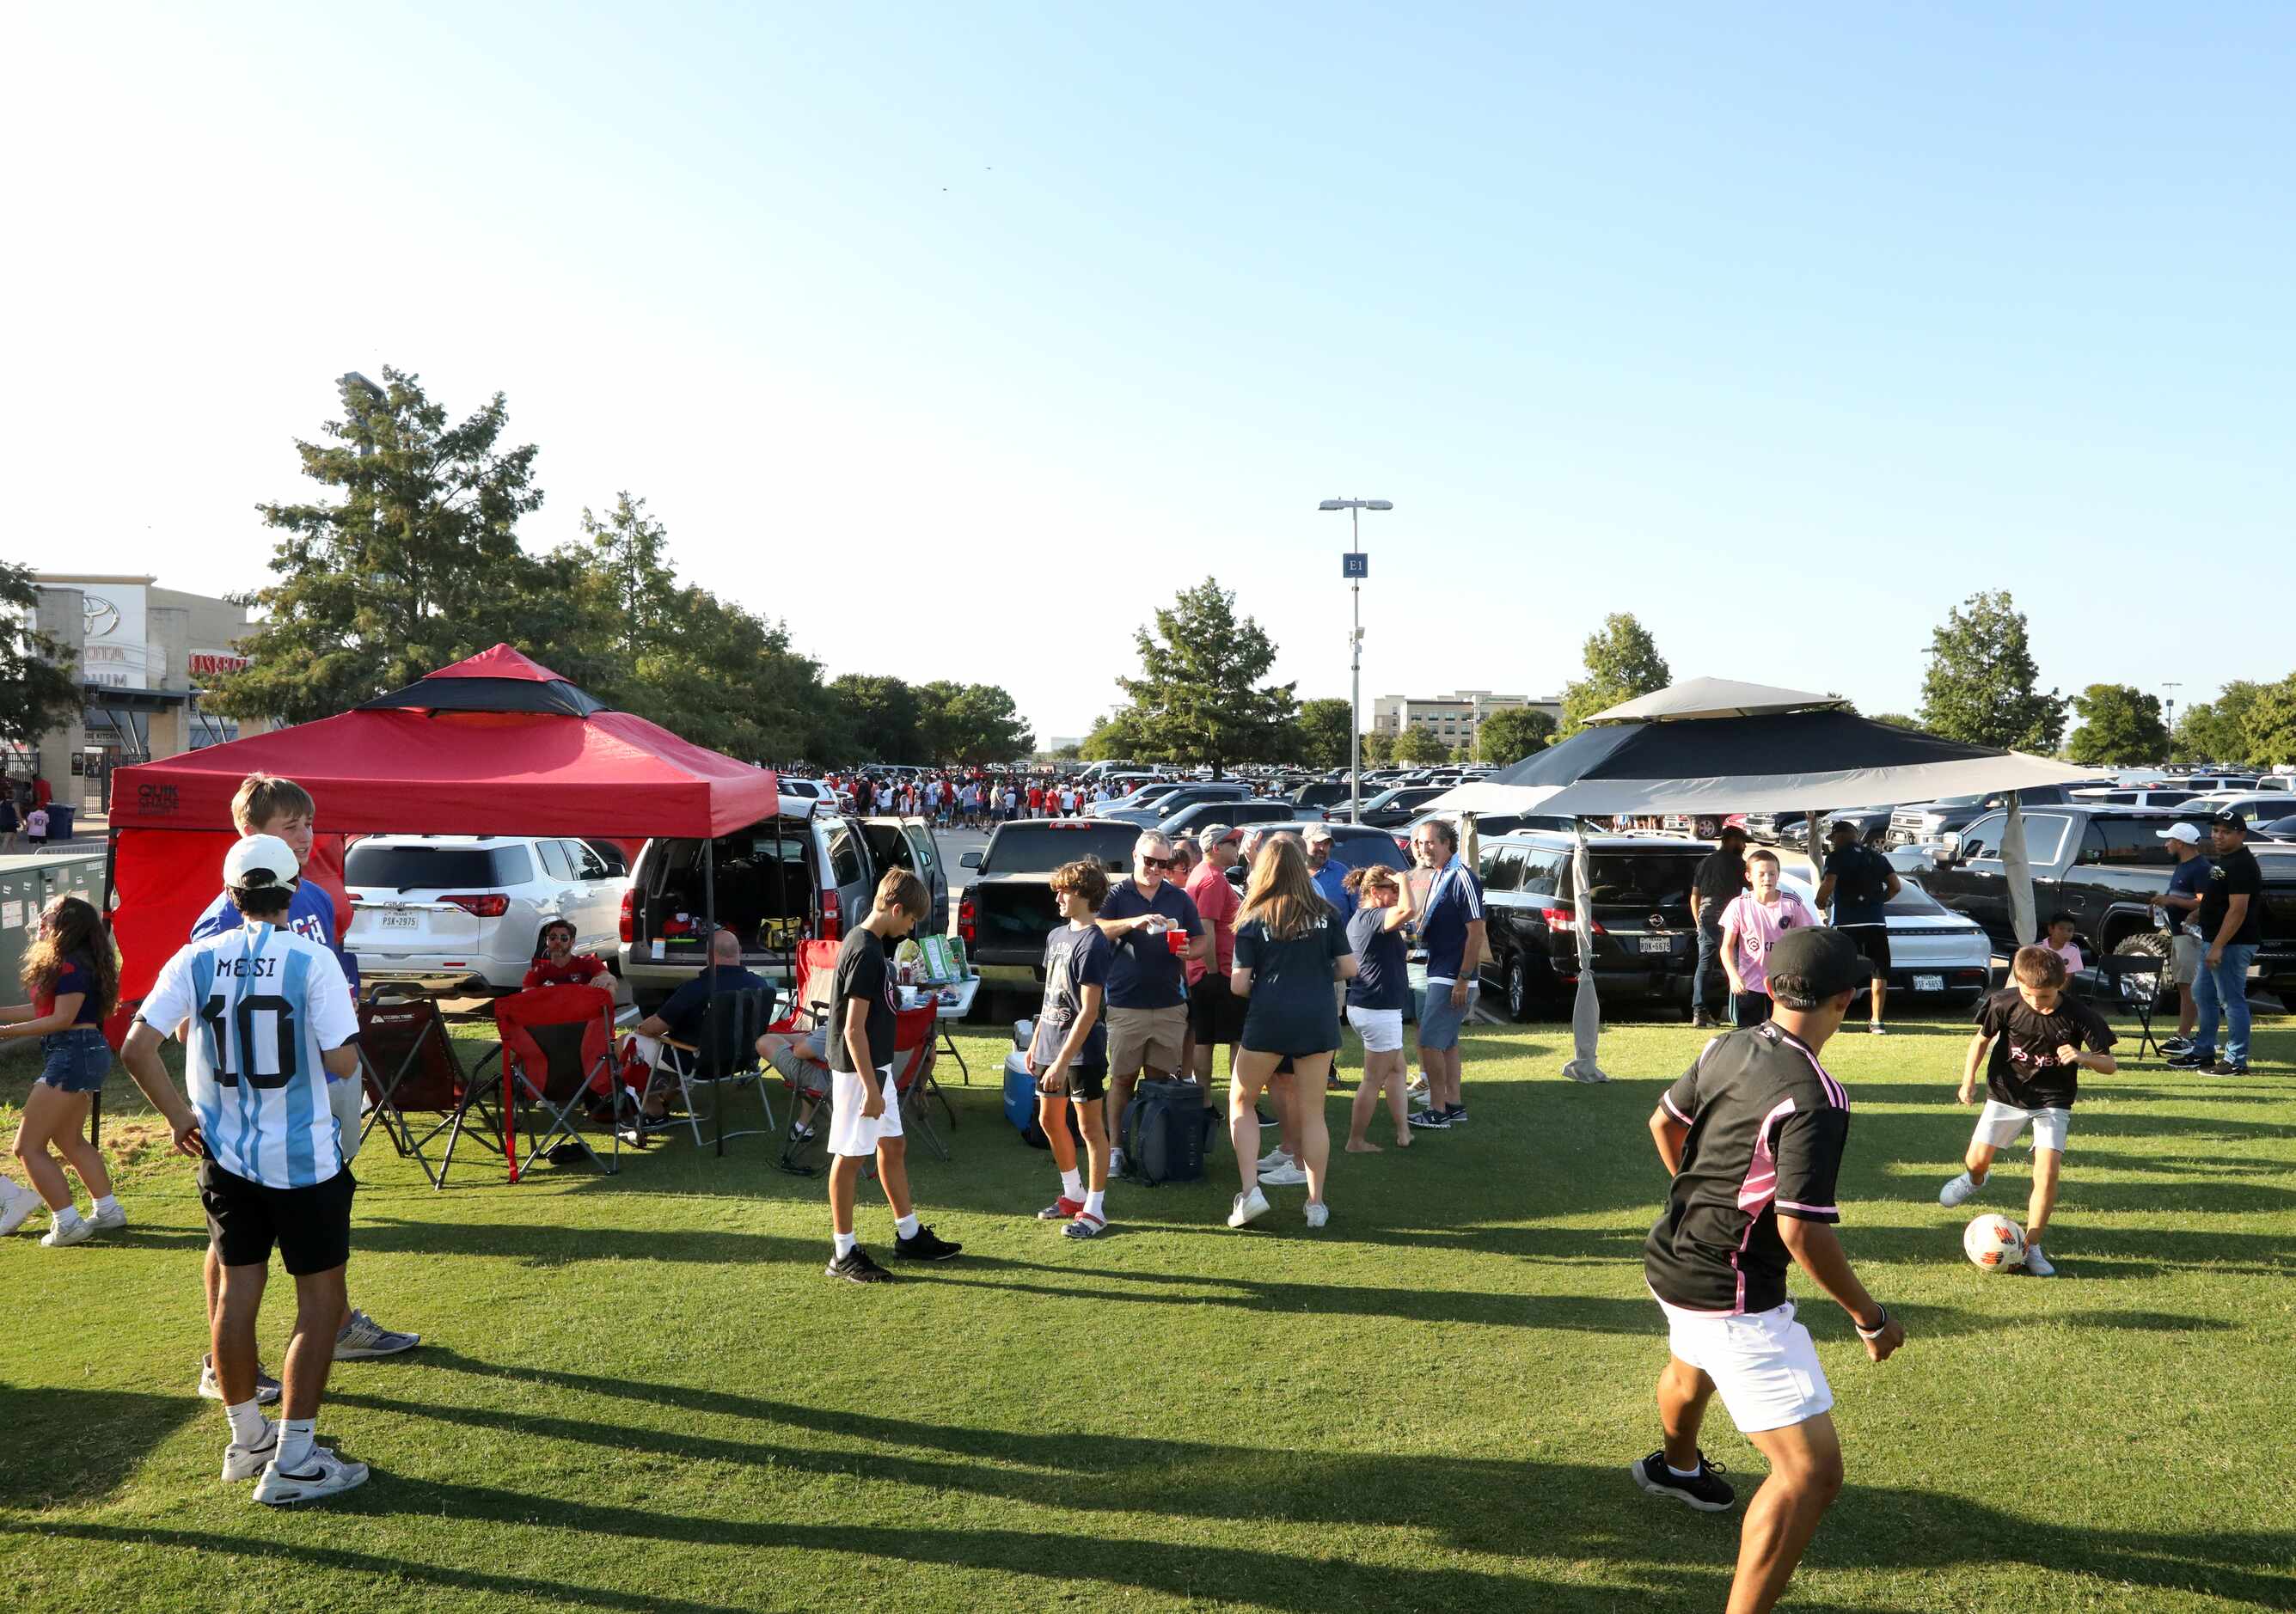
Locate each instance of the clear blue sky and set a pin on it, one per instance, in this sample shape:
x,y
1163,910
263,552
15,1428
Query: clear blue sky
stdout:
x,y
1784,329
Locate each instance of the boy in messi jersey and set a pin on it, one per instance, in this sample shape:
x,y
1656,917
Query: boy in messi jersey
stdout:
x,y
1753,1134
271,1021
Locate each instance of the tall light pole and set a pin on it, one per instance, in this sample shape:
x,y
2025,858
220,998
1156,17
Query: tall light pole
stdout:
x,y
2172,687
1353,566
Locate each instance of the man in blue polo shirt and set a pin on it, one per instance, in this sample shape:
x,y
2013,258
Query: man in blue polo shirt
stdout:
x,y
1147,988
1451,929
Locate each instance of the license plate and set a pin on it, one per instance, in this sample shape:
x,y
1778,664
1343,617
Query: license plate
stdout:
x,y
1929,983
1657,944
401,921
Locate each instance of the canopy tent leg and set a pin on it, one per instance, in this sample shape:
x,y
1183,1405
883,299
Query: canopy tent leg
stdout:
x,y
710,977
2017,873
1585,1009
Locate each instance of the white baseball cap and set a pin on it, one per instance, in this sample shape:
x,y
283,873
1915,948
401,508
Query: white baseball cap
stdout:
x,y
2189,833
257,860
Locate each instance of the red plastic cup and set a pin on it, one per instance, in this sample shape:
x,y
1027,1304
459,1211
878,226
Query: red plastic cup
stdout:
x,y
1176,941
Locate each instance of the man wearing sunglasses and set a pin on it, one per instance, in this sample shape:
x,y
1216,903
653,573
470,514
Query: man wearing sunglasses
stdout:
x,y
1147,991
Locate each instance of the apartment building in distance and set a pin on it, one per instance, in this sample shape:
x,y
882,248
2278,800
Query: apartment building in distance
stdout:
x,y
1455,718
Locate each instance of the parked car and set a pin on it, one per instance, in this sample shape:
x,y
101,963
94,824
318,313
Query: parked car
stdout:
x,y
805,873
1160,808
1323,793
1007,909
1486,824
804,794
1395,809
2277,829
440,907
1928,822
1645,942
1259,809
2250,805
1932,949
2099,863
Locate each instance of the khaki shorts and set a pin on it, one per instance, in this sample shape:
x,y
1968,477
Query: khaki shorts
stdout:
x,y
2185,958
1146,1039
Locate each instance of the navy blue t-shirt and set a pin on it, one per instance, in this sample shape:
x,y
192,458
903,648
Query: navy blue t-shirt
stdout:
x,y
2189,878
1861,885
682,1010
75,975
1455,902
1291,1009
1075,958
1382,979
1144,973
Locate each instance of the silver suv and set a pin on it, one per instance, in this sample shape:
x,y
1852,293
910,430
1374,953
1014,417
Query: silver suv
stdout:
x,y
443,907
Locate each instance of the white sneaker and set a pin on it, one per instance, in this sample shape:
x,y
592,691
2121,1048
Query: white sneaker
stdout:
x,y
1116,1162
1248,1208
1420,1099
266,1388
1318,1213
1274,1160
109,1221
1877,1029
243,1463
78,1231
1286,1175
16,1204
2037,1263
1417,1087
1954,1192
323,1474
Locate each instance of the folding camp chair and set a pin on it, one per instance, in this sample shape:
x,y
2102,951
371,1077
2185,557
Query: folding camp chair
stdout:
x,y
556,1042
408,1063
2134,981
816,977
916,1044
727,1051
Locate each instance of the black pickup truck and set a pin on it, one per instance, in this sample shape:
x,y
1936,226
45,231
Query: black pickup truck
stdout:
x,y
1007,908
2099,863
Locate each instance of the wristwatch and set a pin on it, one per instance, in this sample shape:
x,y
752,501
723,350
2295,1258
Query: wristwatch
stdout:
x,y
1881,1322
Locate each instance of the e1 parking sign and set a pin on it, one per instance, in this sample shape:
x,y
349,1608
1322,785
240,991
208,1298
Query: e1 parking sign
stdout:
x,y
1355,564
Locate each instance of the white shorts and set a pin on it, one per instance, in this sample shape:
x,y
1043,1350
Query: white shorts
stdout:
x,y
1998,1125
348,1100
1381,1029
849,1131
1763,1365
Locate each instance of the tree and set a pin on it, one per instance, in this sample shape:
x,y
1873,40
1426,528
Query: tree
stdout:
x,y
1622,661
417,565
627,553
1899,720
1111,741
1512,733
1418,748
2270,723
1199,698
2120,726
882,714
1073,751
970,722
1320,734
1378,748
2216,730
1982,686
37,692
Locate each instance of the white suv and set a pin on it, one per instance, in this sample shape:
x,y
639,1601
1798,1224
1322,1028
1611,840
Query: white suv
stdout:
x,y
439,908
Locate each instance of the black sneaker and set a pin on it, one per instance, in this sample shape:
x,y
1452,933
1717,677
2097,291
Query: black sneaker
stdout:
x,y
1457,1115
858,1268
1704,1021
2193,1059
2225,1067
1431,1121
925,1247
1706,1490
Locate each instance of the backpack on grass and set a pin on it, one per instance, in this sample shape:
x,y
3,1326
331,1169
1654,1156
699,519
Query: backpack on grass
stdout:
x,y
1165,1134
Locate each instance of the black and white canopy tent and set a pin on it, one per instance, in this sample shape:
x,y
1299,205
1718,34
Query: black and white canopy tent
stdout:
x,y
1713,746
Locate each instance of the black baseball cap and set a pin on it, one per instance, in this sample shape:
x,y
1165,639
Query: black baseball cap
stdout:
x,y
1840,826
2229,819
1826,962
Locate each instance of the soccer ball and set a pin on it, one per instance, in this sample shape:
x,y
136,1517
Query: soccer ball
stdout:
x,y
1993,1242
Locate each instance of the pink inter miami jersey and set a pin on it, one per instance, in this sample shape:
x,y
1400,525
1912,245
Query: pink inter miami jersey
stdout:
x,y
1758,930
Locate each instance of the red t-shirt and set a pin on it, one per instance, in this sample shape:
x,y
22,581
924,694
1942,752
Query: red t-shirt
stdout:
x,y
1217,903
579,970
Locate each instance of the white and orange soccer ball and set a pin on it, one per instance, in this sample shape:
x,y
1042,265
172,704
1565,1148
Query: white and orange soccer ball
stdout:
x,y
1994,1242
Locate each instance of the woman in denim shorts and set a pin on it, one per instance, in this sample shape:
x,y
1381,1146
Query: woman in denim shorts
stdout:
x,y
73,977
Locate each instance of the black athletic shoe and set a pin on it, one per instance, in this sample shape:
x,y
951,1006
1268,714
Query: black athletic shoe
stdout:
x,y
1457,1115
925,1247
1704,1021
1707,1490
858,1268
2225,1067
2194,1059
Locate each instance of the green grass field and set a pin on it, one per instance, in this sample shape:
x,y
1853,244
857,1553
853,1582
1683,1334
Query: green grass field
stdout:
x,y
640,1393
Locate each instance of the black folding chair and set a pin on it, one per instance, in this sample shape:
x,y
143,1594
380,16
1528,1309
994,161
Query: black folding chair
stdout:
x,y
408,1063
2134,981
727,1053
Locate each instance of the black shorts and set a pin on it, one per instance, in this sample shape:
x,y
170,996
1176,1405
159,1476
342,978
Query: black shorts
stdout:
x,y
1873,942
311,1227
1215,1013
1088,1082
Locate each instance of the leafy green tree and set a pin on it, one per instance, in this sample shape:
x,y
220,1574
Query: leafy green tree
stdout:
x,y
1109,742
2120,727
2270,723
1071,752
1378,748
883,713
1622,661
416,565
1899,720
1512,733
1418,748
2216,730
627,551
970,722
1982,685
1199,698
1320,737
37,692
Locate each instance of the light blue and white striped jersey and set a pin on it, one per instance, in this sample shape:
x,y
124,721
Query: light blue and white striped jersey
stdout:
x,y
264,1004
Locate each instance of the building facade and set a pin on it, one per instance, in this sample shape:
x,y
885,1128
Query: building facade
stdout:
x,y
143,654
1454,719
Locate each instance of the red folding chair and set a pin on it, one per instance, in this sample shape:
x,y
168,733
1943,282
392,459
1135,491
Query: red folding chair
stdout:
x,y
408,1063
816,977
916,1046
556,1042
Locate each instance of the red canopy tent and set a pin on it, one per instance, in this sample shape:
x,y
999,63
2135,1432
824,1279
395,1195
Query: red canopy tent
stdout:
x,y
492,745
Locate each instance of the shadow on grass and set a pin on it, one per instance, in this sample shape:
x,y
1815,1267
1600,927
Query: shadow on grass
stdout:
x,y
2100,1251
544,1244
67,1445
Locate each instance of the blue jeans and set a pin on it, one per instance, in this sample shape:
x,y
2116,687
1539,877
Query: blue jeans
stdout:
x,y
1709,957
2223,991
